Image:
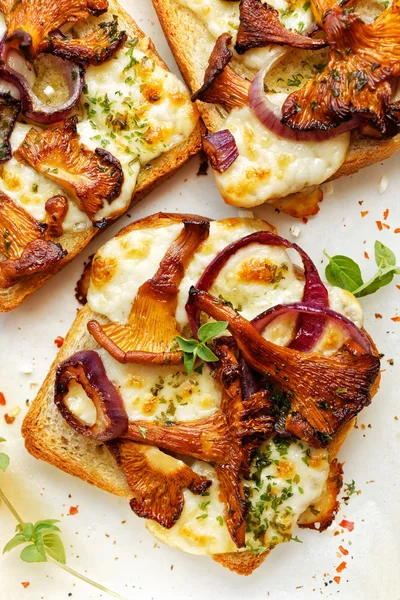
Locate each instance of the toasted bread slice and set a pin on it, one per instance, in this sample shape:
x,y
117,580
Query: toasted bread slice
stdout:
x,y
161,169
190,41
48,437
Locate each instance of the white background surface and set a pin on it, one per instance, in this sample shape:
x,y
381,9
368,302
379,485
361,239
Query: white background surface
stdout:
x,y
125,557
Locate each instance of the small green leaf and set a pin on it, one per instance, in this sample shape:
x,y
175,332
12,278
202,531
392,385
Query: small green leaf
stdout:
x,y
374,284
186,345
31,554
2,439
343,272
54,547
220,520
206,354
384,257
4,461
27,531
211,330
199,369
143,431
42,526
15,541
188,361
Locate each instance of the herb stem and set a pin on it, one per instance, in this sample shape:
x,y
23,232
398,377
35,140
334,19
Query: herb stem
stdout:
x,y
100,587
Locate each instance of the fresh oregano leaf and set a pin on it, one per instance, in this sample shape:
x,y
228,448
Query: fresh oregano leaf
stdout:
x,y
343,272
206,354
188,361
2,439
54,547
186,345
31,554
4,461
384,257
211,330
374,284
15,541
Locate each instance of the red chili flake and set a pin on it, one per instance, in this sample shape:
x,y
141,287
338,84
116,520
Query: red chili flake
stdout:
x,y
395,319
397,230
379,225
343,550
2,399
349,525
366,255
341,567
25,584
364,213
386,225
386,214
378,316
398,287
10,420
336,579
59,341
305,220
73,510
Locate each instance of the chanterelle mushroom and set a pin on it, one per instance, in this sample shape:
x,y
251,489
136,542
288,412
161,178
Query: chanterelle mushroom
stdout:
x,y
356,81
152,327
91,178
28,24
22,244
9,110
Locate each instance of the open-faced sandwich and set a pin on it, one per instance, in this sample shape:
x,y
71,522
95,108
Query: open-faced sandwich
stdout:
x,y
90,119
212,382
293,92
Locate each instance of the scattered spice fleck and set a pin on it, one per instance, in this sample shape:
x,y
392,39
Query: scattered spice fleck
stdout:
x,y
386,225
378,316
305,220
349,525
366,255
341,567
397,230
2,399
343,550
398,286
364,213
336,579
9,420
395,319
73,510
25,584
379,225
59,341
386,214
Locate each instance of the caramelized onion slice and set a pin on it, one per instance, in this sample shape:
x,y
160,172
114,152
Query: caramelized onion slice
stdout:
x,y
152,327
86,368
91,178
323,511
96,48
221,150
362,59
321,393
260,26
205,439
156,480
9,111
28,23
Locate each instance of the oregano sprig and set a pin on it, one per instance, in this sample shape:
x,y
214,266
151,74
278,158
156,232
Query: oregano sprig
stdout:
x,y
193,349
344,272
41,540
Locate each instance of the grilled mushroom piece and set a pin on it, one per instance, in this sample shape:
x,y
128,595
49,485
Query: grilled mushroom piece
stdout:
x,y
56,208
28,24
23,245
91,178
9,111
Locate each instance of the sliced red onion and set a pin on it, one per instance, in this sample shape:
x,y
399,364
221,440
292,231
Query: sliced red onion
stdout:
x,y
87,369
261,321
221,150
309,329
270,114
13,69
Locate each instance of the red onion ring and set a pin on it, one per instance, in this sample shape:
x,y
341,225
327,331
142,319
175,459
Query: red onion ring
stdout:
x,y
265,318
221,150
87,369
309,328
33,108
270,115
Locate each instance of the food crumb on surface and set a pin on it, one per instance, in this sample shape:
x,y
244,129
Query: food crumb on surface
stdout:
x,y
364,213
2,399
73,510
25,584
384,182
295,231
59,341
341,567
26,369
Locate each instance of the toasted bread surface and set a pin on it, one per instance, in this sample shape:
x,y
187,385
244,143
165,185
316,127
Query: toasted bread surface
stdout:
x,y
161,169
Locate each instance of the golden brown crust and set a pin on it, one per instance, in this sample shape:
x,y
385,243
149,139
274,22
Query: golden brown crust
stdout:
x,y
162,169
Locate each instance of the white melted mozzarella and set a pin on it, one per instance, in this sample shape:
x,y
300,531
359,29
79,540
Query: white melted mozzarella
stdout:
x,y
291,478
136,110
269,166
221,16
132,258
31,189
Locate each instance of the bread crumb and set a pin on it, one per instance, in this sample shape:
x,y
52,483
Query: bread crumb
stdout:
x,y
384,182
295,231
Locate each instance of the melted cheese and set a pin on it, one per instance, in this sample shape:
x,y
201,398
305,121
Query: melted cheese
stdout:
x,y
136,110
269,167
221,16
293,478
79,403
31,189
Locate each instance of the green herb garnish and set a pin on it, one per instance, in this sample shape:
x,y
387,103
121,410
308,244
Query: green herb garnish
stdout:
x,y
344,272
193,348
